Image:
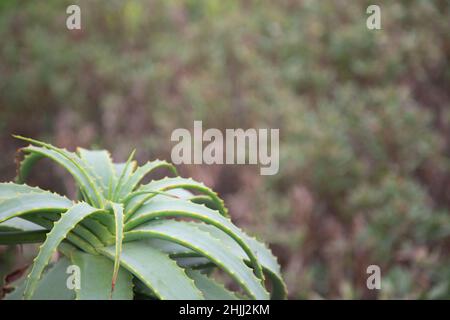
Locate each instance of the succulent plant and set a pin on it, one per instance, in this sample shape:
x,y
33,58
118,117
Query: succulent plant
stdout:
x,y
128,239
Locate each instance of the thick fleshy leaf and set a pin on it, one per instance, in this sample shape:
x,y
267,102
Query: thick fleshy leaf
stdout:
x,y
264,255
26,165
136,177
190,259
141,197
53,285
189,235
96,273
19,224
181,208
156,270
194,262
118,216
74,165
47,222
101,165
26,203
10,190
123,172
20,237
211,289
58,233
79,230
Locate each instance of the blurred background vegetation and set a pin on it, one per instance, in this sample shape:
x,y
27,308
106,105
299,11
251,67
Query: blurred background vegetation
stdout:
x,y
364,119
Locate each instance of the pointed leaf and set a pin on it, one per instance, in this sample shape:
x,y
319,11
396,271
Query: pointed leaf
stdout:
x,y
135,178
96,273
265,257
100,163
211,289
181,208
58,233
156,270
118,215
53,285
19,224
75,166
32,202
172,183
189,235
9,190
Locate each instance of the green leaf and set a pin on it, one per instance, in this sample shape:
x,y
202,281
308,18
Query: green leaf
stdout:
x,y
211,289
189,235
172,183
18,224
10,190
265,257
80,230
26,165
59,231
136,177
101,165
47,223
181,208
188,258
156,270
74,165
26,203
96,274
118,214
123,172
99,229
53,285
193,262
20,237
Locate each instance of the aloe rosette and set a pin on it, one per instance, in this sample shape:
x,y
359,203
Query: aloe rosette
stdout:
x,y
159,240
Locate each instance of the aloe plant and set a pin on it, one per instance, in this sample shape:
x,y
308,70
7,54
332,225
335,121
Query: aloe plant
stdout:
x,y
128,239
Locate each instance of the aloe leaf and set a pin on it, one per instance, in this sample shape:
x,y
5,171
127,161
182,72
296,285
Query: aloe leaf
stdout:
x,y
203,199
74,166
172,183
265,257
96,273
136,177
58,233
19,224
188,258
125,172
20,237
53,285
189,235
156,270
118,214
142,290
9,189
211,289
79,230
99,229
181,208
47,223
23,204
194,262
26,165
101,165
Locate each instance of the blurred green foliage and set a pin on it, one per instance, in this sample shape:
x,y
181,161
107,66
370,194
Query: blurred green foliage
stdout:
x,y
364,118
